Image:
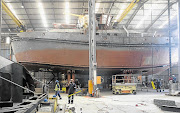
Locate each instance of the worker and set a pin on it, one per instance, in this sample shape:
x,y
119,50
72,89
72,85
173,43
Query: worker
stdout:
x,y
158,85
174,78
78,85
57,89
71,91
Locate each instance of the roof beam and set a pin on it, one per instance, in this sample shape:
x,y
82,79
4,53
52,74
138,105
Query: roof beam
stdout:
x,y
41,19
13,17
109,11
63,14
18,8
28,16
161,13
140,4
130,30
6,22
126,11
62,1
62,22
81,1
52,2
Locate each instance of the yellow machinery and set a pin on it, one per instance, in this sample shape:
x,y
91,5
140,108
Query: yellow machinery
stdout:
x,y
83,20
13,17
153,85
123,84
55,103
126,11
90,84
63,89
90,87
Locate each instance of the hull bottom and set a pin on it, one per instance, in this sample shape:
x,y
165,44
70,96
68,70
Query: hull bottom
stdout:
x,y
105,58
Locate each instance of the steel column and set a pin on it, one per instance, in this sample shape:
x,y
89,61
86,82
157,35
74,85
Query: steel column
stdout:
x,y
92,43
169,30
179,43
0,22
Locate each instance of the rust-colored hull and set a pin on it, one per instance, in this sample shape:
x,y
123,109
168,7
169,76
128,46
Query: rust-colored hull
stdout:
x,y
105,58
72,50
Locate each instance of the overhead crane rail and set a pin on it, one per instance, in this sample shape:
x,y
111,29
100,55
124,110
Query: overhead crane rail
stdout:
x,y
126,11
13,17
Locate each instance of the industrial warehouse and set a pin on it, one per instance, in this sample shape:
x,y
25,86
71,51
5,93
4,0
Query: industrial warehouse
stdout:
x,y
89,56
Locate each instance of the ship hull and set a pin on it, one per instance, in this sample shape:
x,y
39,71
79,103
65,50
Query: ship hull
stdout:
x,y
55,53
68,50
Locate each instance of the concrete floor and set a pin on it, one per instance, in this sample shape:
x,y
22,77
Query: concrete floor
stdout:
x,y
110,103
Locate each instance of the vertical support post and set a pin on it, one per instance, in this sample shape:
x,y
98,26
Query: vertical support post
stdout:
x,y
10,49
179,44
69,75
0,22
90,33
169,30
92,43
152,62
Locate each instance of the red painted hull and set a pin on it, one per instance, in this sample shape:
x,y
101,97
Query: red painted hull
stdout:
x,y
105,58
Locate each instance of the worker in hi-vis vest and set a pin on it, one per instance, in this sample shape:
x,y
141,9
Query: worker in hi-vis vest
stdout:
x,y
57,89
71,91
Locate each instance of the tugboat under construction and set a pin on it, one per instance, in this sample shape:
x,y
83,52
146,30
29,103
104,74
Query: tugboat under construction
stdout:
x,y
114,50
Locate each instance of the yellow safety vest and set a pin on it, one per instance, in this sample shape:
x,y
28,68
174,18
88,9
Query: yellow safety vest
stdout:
x,y
153,85
56,88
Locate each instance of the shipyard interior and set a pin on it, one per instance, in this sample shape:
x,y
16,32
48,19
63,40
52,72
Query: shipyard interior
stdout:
x,y
89,56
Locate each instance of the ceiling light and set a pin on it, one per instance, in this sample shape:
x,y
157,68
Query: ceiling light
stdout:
x,y
22,6
67,11
42,13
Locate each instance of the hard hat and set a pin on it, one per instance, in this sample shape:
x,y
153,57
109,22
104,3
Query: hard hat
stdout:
x,y
45,100
57,81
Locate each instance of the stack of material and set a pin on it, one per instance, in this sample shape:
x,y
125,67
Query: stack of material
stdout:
x,y
47,107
